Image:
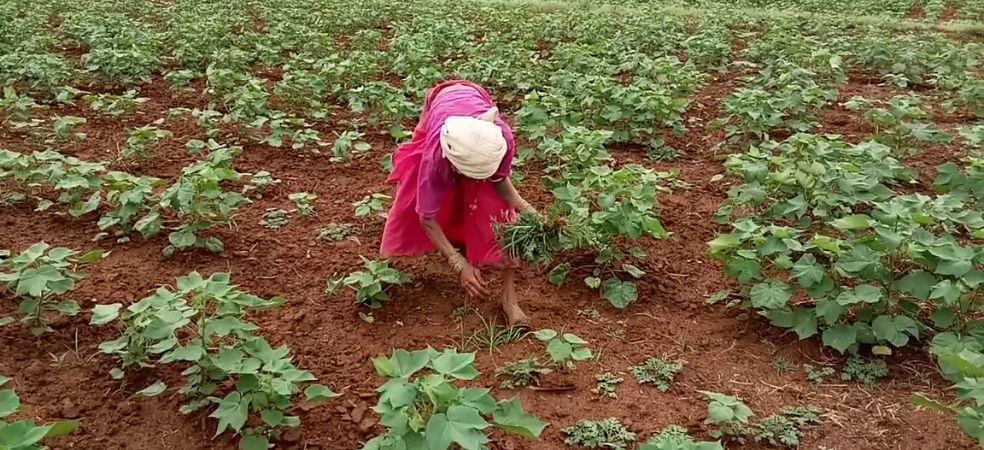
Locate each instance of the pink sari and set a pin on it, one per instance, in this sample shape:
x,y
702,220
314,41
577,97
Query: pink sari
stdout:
x,y
428,187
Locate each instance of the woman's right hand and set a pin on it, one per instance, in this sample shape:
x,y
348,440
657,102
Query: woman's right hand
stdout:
x,y
471,280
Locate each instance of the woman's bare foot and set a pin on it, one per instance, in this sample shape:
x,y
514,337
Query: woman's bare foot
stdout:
x,y
514,314
510,304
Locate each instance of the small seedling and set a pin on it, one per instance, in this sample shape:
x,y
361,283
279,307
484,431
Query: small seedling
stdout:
x,y
63,128
564,349
304,201
603,434
347,144
675,437
786,429
818,376
727,416
778,431
591,313
114,105
334,232
371,204
274,219
40,276
525,372
141,141
458,314
259,182
201,325
864,371
782,365
422,393
607,382
371,285
657,372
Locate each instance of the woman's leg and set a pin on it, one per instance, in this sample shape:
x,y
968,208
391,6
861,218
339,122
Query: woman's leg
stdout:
x,y
510,301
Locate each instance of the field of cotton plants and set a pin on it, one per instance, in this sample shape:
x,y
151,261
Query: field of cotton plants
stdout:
x,y
777,204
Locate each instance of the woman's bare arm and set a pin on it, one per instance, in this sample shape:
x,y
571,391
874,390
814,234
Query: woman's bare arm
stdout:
x,y
508,192
438,238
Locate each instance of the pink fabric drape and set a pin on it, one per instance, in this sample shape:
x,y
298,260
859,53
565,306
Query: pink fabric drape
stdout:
x,y
427,185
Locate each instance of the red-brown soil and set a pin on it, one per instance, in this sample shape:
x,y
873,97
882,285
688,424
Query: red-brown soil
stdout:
x,y
60,375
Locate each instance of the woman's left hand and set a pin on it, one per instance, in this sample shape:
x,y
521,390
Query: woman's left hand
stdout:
x,y
471,280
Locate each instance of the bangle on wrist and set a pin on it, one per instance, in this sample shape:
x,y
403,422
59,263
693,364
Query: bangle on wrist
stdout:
x,y
525,206
457,262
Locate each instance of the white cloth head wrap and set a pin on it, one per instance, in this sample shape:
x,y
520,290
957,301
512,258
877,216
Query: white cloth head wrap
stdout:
x,y
475,146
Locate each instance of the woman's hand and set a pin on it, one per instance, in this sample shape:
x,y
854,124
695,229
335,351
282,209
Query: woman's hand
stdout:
x,y
471,280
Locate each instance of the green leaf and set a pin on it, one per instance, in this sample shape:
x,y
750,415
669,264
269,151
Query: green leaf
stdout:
x,y
404,363
772,294
191,352
722,243
9,403
477,398
191,282
229,359
398,392
92,257
272,417
224,326
574,339
559,350
634,271
804,323
559,274
920,400
4,380
182,239
917,284
852,222
718,296
68,308
581,354
943,318
717,413
620,293
254,442
457,365
231,412
318,393
947,290
545,334
840,337
214,245
894,330
62,428
864,293
22,434
881,350
830,311
742,269
461,425
152,390
149,225
592,282
807,271
103,314
509,416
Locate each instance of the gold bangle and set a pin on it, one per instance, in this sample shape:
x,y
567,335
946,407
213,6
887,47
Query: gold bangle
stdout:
x,y
458,262
525,206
